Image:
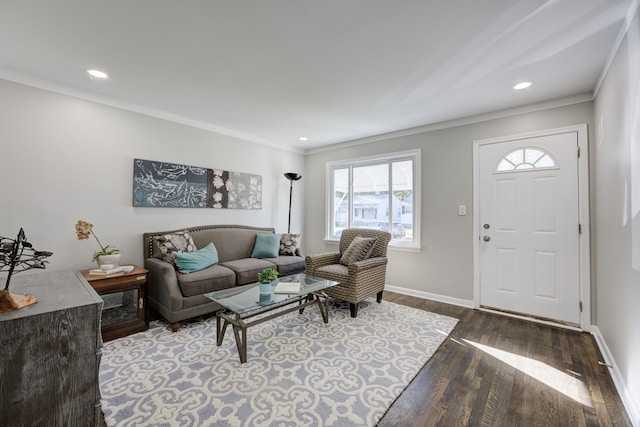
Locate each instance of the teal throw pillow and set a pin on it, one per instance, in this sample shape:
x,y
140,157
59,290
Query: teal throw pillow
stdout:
x,y
266,246
189,262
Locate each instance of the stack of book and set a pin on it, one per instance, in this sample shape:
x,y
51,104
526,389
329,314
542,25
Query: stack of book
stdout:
x,y
112,270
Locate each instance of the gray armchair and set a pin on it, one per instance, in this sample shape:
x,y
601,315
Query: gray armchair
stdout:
x,y
359,279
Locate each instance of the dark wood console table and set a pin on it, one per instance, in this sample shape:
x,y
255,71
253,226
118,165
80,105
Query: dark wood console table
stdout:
x,y
50,353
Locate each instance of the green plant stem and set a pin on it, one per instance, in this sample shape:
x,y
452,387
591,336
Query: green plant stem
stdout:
x,y
97,240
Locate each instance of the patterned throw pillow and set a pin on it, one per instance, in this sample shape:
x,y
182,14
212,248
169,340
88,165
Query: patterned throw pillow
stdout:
x,y
290,243
359,249
180,241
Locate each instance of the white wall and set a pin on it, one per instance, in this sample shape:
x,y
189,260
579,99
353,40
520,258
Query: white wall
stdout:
x,y
444,267
616,156
64,158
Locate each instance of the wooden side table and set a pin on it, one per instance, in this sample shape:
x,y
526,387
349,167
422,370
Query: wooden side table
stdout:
x,y
125,302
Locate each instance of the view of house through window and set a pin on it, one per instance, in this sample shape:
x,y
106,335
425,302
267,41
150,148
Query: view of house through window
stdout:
x,y
376,194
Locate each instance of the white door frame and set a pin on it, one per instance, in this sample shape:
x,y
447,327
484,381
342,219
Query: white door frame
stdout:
x,y
583,214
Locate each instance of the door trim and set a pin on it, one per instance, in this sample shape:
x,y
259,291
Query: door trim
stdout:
x,y
583,214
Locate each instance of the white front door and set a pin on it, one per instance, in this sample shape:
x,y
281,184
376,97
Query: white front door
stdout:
x,y
529,247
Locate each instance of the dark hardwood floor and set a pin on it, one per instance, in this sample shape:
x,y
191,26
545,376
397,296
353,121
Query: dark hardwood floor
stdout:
x,y
499,371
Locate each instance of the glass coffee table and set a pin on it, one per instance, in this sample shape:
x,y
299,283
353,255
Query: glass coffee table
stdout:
x,y
244,302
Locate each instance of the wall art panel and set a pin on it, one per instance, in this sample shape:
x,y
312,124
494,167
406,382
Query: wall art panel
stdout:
x,y
161,184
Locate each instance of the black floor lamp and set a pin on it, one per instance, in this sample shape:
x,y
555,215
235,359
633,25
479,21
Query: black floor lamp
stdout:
x,y
291,177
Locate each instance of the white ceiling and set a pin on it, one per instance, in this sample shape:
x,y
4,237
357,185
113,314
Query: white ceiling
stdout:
x,y
331,70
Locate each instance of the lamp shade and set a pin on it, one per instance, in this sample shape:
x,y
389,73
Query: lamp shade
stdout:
x,y
292,176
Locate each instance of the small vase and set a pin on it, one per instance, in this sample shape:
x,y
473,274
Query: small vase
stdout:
x,y
265,288
108,259
265,298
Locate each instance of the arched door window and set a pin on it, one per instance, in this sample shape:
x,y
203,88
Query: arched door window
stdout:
x,y
525,159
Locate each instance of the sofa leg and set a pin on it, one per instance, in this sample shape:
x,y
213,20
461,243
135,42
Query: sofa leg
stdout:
x,y
379,297
354,309
175,326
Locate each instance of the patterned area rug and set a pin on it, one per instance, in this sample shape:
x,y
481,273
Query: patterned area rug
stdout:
x,y
299,371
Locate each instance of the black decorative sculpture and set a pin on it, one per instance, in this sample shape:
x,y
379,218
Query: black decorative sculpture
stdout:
x,y
16,256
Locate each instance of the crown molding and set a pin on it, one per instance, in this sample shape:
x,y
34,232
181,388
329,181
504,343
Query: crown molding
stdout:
x,y
32,81
631,13
529,108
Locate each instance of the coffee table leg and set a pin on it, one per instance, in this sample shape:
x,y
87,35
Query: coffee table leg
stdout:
x,y
240,332
304,301
323,305
221,328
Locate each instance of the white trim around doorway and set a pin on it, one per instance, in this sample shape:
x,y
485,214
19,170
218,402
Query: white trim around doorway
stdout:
x,y
583,212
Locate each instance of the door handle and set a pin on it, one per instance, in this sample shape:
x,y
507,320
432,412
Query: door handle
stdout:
x,y
486,238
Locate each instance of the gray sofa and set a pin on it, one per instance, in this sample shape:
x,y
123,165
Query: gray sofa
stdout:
x,y
177,296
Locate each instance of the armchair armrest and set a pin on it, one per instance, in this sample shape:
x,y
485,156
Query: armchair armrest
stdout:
x,y
320,260
367,264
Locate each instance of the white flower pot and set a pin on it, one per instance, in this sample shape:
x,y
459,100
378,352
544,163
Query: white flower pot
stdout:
x,y
108,259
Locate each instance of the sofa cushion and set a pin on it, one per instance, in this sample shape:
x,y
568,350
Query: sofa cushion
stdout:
x,y
335,272
359,249
210,279
179,241
266,246
247,269
290,244
288,264
189,262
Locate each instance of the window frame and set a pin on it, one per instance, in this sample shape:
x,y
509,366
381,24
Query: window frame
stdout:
x,y
414,155
534,167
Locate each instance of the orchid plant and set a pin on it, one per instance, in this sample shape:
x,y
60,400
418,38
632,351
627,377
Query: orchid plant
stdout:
x,y
84,229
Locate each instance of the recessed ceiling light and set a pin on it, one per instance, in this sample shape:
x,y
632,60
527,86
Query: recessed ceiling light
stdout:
x,y
97,73
522,85
303,138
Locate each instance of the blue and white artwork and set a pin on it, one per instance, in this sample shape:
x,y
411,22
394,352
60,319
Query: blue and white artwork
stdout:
x,y
160,184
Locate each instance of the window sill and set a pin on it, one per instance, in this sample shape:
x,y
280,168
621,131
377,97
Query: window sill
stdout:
x,y
392,247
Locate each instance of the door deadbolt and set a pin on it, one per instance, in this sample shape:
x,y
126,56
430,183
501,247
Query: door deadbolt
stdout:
x,y
486,226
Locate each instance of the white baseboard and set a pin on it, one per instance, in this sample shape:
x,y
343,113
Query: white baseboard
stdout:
x,y
428,295
623,391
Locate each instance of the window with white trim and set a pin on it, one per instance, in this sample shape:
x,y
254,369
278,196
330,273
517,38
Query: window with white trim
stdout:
x,y
376,192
